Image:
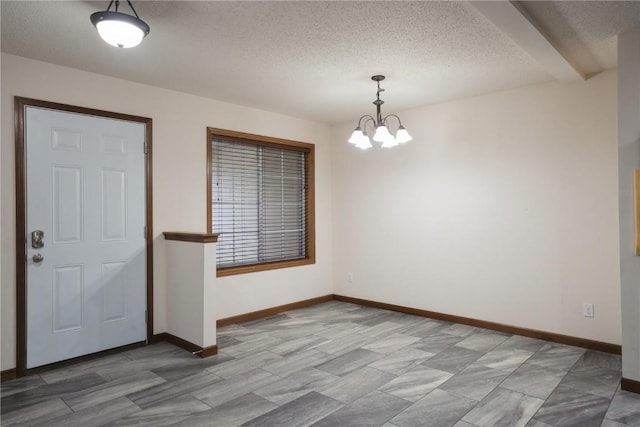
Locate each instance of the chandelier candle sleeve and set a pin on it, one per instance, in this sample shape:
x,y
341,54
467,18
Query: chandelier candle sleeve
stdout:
x,y
380,126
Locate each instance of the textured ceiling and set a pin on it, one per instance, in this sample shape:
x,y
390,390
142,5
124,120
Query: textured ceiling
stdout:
x,y
314,59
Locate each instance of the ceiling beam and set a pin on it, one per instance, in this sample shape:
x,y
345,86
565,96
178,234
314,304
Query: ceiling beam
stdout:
x,y
522,30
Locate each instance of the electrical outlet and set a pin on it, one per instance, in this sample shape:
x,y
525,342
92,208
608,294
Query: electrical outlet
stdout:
x,y
350,277
587,309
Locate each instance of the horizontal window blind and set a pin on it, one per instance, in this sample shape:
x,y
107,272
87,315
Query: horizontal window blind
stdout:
x,y
258,203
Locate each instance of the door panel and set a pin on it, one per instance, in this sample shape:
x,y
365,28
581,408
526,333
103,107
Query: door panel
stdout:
x,y
85,188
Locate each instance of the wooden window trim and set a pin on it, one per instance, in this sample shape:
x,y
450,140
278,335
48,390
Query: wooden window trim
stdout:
x,y
310,209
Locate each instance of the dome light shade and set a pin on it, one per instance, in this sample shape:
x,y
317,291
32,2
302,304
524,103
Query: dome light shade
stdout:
x,y
119,29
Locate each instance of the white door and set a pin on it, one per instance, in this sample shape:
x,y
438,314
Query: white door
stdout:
x,y
86,194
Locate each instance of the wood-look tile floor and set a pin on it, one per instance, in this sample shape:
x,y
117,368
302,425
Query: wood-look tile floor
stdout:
x,y
335,364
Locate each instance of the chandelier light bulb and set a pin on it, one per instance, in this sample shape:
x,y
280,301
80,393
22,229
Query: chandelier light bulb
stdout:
x,y
389,142
402,135
382,134
364,143
356,136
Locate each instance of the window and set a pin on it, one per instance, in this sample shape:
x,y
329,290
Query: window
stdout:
x,y
260,201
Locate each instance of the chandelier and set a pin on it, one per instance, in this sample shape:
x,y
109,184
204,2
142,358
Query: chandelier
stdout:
x,y
119,29
379,124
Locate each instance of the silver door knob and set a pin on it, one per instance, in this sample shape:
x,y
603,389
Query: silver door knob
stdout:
x,y
37,258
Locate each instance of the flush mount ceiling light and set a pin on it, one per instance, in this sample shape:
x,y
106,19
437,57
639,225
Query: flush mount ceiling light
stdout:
x,y
119,29
359,136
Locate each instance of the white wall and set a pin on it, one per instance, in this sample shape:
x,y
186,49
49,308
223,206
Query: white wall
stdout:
x,y
629,159
502,208
179,179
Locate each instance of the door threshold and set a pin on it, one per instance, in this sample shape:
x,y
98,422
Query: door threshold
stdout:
x,y
86,357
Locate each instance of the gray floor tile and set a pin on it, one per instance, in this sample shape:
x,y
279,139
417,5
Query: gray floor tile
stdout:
x,y
625,408
401,360
415,383
595,380
91,366
427,328
226,341
483,342
475,382
610,423
344,344
373,409
229,389
301,360
504,408
250,348
357,384
379,362
296,385
242,365
534,380
167,413
349,362
516,342
165,357
391,343
437,409
37,414
436,343
339,330
111,390
454,359
8,388
96,415
382,329
460,330
505,360
287,348
567,408
592,358
231,414
186,368
303,411
170,390
62,389
557,356
536,423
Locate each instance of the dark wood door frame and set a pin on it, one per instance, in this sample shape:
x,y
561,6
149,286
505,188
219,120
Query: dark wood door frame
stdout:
x,y
20,105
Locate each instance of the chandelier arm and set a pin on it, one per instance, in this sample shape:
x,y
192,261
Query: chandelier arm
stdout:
x,y
392,115
365,116
369,119
109,7
134,11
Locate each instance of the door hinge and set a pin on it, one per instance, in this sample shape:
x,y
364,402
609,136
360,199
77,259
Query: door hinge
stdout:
x,y
146,317
145,231
145,147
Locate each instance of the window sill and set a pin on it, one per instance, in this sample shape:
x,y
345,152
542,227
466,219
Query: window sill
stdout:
x,y
254,268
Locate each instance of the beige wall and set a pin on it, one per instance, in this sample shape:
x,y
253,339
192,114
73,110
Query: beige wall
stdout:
x,y
179,162
502,208
629,159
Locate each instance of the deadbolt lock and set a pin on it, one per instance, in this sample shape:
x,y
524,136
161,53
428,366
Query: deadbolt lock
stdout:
x,y
37,239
